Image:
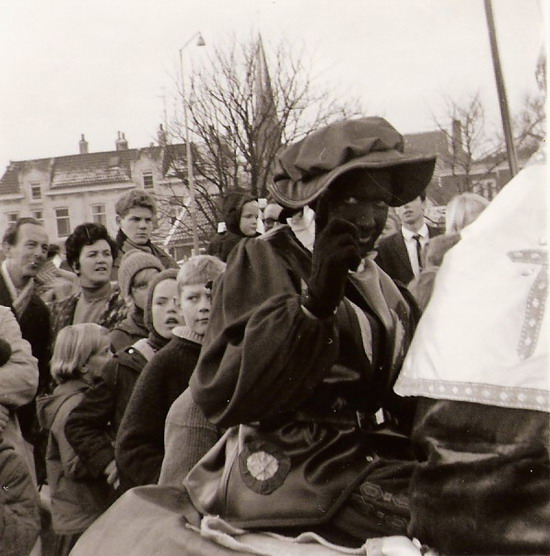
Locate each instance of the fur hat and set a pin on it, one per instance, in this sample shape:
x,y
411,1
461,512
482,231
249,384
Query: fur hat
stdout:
x,y
131,263
305,169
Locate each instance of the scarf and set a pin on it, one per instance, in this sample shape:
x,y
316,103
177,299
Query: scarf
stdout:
x,y
19,298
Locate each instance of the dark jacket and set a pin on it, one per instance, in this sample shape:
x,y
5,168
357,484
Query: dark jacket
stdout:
x,y
483,484
35,328
294,384
140,439
19,515
233,203
124,245
77,498
128,332
63,311
393,257
92,426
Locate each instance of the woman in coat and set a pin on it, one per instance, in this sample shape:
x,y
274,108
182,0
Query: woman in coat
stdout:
x,y
90,253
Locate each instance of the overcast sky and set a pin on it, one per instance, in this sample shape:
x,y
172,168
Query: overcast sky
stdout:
x,y
70,67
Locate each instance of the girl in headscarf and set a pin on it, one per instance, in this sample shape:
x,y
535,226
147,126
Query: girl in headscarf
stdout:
x,y
241,211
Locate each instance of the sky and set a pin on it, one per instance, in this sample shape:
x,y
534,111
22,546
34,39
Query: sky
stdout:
x,y
70,67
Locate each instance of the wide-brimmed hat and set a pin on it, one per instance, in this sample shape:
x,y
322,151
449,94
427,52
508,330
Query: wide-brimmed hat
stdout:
x,y
305,169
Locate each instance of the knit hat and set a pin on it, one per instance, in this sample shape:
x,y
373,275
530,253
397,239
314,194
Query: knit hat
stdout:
x,y
169,274
305,169
131,263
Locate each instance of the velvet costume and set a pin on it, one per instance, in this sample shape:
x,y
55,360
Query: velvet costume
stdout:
x,y
298,387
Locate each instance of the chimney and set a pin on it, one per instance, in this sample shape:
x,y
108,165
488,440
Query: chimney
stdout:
x,y
457,138
121,143
161,136
83,145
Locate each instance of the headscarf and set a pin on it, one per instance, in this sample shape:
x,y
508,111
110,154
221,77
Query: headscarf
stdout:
x,y
155,339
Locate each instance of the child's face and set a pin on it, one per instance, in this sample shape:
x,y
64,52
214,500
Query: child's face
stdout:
x,y
195,301
98,359
163,310
248,223
140,285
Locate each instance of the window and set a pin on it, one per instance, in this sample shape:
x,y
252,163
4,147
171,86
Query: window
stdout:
x,y
38,215
147,179
486,188
98,214
63,222
36,191
12,217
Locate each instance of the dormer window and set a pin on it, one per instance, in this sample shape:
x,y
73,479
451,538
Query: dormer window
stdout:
x,y
147,178
36,191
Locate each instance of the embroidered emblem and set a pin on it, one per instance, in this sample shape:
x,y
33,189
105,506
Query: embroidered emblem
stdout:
x,y
263,466
536,299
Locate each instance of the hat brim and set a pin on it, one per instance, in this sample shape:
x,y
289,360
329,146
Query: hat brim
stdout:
x,y
410,175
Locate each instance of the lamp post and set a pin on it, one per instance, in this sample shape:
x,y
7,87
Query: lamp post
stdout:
x,y
189,153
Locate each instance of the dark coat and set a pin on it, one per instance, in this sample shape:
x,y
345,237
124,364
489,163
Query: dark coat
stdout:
x,y
140,440
35,328
483,484
393,257
127,332
92,426
78,499
294,385
19,514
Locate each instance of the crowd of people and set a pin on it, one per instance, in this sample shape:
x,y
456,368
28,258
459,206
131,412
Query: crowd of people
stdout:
x,y
296,379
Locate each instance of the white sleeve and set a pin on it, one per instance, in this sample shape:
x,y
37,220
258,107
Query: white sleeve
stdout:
x,y
19,376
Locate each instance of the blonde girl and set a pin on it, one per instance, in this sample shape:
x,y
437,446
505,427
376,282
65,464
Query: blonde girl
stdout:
x,y
77,498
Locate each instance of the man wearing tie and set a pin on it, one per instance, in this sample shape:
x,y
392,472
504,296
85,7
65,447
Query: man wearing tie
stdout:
x,y
400,254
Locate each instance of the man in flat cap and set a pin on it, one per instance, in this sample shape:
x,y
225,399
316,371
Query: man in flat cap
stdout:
x,y
303,348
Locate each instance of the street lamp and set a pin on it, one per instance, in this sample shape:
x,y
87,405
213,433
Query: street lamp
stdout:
x,y
189,154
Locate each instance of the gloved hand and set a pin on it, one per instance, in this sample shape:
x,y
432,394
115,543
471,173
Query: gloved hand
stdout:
x,y
335,252
5,352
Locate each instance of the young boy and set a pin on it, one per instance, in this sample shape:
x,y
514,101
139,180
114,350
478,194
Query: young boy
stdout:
x,y
136,212
139,446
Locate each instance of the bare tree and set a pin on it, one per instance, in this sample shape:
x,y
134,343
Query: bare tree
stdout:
x,y
468,140
243,106
530,123
474,152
